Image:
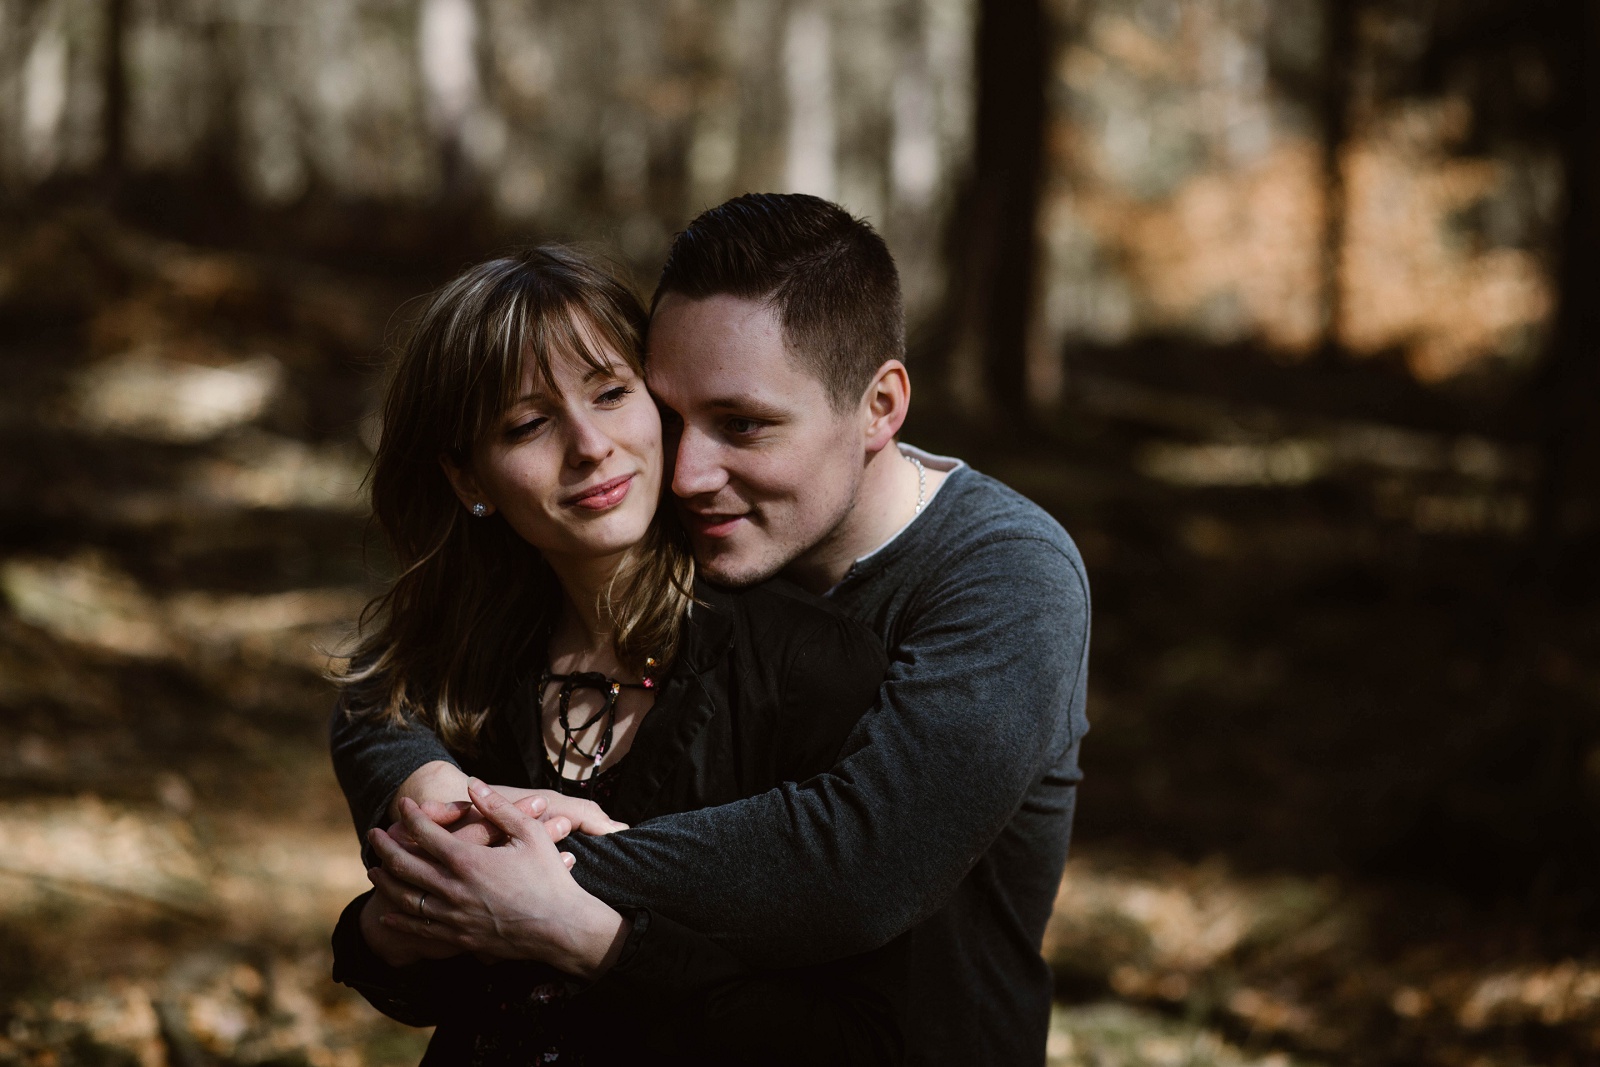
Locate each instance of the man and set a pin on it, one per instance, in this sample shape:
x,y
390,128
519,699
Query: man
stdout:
x,y
776,352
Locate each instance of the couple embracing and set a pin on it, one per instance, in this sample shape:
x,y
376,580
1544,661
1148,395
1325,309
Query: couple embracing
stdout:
x,y
705,722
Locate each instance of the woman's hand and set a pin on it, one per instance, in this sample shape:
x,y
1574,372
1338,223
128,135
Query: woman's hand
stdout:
x,y
515,901
436,787
390,945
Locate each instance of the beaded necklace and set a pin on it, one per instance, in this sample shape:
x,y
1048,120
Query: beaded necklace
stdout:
x,y
610,689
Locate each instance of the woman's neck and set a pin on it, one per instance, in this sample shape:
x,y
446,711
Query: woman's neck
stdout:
x,y
585,628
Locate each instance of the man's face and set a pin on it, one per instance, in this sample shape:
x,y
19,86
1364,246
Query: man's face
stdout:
x,y
766,469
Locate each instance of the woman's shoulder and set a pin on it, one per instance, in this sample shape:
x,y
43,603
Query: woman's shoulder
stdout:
x,y
776,613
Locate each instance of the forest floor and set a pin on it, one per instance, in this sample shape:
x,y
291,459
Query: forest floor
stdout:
x,y
1299,676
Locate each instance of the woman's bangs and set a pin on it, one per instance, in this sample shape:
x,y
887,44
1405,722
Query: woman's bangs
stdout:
x,y
577,332
535,324
497,383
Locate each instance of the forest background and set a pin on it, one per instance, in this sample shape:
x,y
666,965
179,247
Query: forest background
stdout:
x,y
1279,307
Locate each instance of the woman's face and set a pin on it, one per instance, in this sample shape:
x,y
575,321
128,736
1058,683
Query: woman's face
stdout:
x,y
574,465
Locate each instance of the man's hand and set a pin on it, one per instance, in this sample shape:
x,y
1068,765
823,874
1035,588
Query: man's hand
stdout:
x,y
517,901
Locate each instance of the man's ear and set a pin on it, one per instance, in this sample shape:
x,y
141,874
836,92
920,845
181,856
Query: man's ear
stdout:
x,y
885,403
465,483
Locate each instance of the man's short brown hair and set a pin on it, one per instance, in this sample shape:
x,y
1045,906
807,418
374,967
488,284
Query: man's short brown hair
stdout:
x,y
828,275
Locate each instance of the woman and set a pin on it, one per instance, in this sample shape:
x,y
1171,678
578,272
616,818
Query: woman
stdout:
x,y
546,625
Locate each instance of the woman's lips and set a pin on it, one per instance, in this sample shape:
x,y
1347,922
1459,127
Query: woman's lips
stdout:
x,y
603,496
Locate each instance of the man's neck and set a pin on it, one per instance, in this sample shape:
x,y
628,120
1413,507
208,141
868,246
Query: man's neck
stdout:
x,y
885,500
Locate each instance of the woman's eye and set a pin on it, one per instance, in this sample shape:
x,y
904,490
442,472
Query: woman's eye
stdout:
x,y
523,429
616,395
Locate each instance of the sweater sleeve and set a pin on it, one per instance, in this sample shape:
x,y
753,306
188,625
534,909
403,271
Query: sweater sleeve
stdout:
x,y
983,696
372,760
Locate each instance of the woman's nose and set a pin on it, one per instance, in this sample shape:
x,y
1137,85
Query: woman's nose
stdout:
x,y
587,442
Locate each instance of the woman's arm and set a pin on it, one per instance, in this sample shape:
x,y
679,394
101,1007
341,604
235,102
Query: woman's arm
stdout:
x,y
377,762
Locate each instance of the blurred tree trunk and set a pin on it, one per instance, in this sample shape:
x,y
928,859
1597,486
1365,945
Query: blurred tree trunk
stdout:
x,y
1571,379
1334,105
114,75
994,245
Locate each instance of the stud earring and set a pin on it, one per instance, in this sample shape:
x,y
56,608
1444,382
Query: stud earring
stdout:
x,y
479,510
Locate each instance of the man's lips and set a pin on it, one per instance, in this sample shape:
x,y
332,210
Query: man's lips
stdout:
x,y
712,524
603,496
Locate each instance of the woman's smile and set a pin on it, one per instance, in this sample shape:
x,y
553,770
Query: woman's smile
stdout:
x,y
602,497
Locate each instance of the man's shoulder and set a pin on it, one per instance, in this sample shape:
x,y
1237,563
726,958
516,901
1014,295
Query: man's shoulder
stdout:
x,y
983,512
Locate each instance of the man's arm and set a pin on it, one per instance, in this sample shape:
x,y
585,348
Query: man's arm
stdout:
x,y
984,695
692,997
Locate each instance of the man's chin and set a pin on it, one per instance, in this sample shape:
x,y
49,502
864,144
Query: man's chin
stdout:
x,y
731,569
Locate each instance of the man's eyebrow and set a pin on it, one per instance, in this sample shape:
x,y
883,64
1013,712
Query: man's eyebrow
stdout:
x,y
745,405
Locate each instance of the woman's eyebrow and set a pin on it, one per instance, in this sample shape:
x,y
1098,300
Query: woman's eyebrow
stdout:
x,y
534,397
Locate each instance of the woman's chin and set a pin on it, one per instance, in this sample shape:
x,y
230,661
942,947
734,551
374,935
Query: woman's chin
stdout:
x,y
607,538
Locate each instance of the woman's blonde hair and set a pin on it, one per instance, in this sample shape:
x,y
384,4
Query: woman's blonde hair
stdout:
x,y
456,630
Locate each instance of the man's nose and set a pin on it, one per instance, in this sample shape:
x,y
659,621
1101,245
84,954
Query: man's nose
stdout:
x,y
697,470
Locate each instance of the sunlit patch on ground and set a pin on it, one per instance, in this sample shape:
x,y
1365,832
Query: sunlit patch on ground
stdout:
x,y
86,600
259,470
1109,1034
1275,463
213,936
1289,967
214,1008
144,394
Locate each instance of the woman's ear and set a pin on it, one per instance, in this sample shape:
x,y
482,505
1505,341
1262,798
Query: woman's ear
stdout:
x,y
886,402
465,483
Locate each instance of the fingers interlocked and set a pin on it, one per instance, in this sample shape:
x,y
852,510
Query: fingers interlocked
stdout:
x,y
454,891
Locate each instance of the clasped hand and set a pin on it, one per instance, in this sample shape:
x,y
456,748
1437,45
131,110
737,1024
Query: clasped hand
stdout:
x,y
497,887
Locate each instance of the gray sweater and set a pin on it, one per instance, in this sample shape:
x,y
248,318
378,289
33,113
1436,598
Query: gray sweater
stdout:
x,y
948,814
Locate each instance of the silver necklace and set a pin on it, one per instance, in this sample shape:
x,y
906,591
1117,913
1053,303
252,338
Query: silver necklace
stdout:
x,y
922,483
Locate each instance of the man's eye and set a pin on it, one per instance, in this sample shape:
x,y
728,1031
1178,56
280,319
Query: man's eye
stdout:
x,y
740,427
